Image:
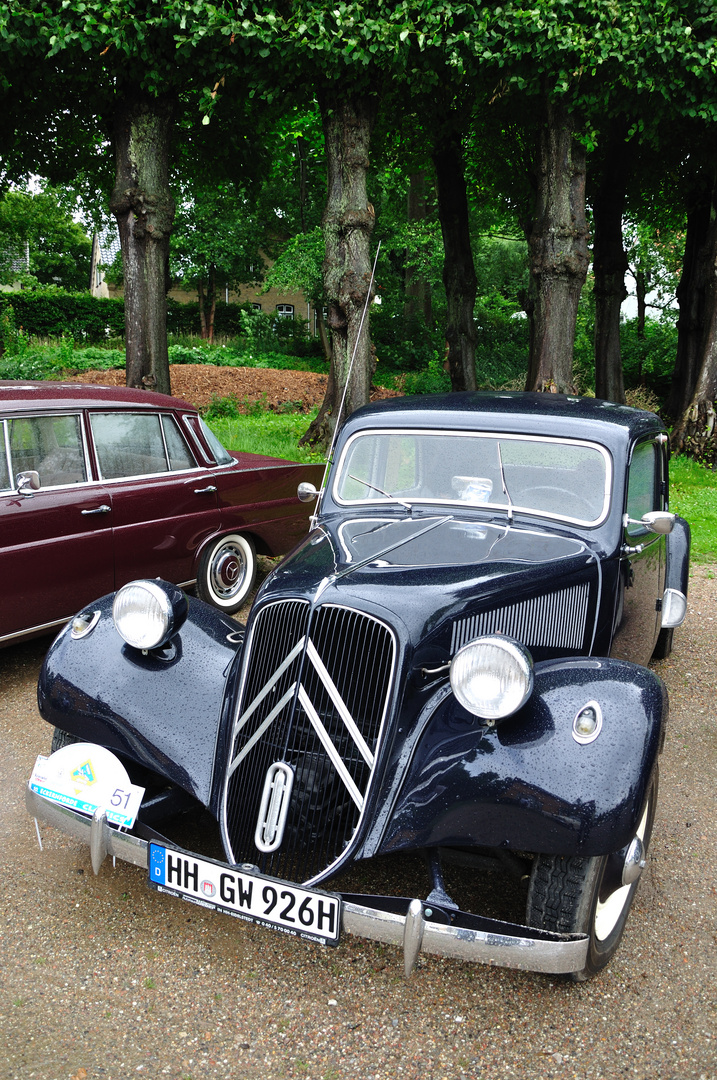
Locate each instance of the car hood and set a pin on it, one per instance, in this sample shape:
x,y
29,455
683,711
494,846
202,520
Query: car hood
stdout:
x,y
425,569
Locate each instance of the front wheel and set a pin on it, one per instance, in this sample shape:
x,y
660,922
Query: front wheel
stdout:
x,y
226,572
586,895
62,738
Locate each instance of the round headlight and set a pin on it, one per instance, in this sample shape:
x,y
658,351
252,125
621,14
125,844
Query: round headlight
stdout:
x,y
492,677
148,613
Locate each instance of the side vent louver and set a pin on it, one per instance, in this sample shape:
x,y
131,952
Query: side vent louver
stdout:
x,y
554,621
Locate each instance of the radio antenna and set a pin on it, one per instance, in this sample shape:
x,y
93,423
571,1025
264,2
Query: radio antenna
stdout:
x,y
348,379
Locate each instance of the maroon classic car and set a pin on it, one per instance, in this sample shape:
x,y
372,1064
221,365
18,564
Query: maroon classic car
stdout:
x,y
99,486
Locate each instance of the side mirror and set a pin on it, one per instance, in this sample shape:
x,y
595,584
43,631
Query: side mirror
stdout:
x,y
27,482
659,521
306,492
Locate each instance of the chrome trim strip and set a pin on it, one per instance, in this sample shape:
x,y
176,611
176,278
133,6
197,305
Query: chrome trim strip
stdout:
x,y
339,703
119,844
36,629
503,436
266,689
330,749
263,727
562,954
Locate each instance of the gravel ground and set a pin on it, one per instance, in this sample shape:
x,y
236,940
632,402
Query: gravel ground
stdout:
x,y
103,979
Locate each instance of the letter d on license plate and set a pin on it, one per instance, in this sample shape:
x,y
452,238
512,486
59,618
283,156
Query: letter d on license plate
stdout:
x,y
291,909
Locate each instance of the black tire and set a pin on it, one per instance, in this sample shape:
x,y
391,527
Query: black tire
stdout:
x,y
584,895
62,738
663,648
227,572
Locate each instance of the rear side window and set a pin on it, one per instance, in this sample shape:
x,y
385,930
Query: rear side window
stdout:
x,y
48,445
138,444
643,490
177,449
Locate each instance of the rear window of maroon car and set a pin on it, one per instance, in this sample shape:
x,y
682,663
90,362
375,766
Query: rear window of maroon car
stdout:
x,y
137,444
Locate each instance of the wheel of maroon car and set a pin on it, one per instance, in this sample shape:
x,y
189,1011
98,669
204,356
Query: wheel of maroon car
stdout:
x,y
581,895
226,572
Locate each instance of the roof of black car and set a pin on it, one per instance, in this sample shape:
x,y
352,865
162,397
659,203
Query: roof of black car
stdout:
x,y
528,413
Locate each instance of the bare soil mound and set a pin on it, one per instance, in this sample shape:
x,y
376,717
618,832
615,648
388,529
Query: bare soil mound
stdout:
x,y
199,383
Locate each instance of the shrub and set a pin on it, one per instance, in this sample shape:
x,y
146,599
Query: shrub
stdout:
x,y
55,313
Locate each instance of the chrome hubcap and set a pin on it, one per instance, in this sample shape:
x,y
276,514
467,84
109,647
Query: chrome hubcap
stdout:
x,y
227,573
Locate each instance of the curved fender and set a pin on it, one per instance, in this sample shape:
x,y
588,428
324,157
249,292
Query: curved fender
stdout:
x,y
162,710
527,784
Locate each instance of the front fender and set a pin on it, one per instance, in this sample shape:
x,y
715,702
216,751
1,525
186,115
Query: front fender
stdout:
x,y
161,710
527,784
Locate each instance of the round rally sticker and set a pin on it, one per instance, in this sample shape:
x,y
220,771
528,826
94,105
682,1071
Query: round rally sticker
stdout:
x,y
88,777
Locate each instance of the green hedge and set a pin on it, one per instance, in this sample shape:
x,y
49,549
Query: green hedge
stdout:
x,y
55,314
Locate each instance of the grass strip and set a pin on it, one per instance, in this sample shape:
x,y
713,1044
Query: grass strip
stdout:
x,y
276,435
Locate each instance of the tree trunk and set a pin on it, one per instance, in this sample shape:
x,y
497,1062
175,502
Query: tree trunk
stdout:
x,y
302,155
610,264
694,431
203,331
641,295
212,300
459,276
323,332
693,297
557,239
418,292
143,205
347,222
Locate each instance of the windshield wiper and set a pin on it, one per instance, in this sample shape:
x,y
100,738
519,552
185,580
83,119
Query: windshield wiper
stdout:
x,y
386,495
505,486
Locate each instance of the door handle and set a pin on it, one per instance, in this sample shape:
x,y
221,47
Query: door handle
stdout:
x,y
104,509
205,491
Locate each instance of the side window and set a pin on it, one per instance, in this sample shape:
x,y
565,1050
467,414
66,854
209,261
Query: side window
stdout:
x,y
128,444
643,489
179,455
50,445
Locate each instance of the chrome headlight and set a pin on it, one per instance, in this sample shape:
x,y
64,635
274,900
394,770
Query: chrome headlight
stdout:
x,y
148,613
492,677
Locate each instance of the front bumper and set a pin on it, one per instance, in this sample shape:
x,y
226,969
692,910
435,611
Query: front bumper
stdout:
x,y
393,920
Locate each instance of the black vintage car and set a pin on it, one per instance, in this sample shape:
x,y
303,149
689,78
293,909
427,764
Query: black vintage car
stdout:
x,y
451,663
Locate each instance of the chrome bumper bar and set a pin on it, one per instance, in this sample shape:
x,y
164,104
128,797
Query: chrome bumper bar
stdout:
x,y
414,931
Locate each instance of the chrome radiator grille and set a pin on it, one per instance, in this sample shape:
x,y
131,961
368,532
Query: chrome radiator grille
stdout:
x,y
315,694
556,621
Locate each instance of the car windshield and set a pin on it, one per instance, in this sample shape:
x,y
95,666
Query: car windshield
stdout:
x,y
567,479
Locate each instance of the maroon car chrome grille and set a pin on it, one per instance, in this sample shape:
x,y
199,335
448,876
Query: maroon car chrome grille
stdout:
x,y
316,687
556,620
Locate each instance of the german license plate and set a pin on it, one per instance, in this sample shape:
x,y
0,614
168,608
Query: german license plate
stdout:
x,y
251,896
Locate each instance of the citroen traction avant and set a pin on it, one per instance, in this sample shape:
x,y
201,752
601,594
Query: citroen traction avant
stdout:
x,y
452,662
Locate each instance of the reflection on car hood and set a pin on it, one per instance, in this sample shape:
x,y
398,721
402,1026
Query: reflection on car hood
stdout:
x,y
445,541
431,551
